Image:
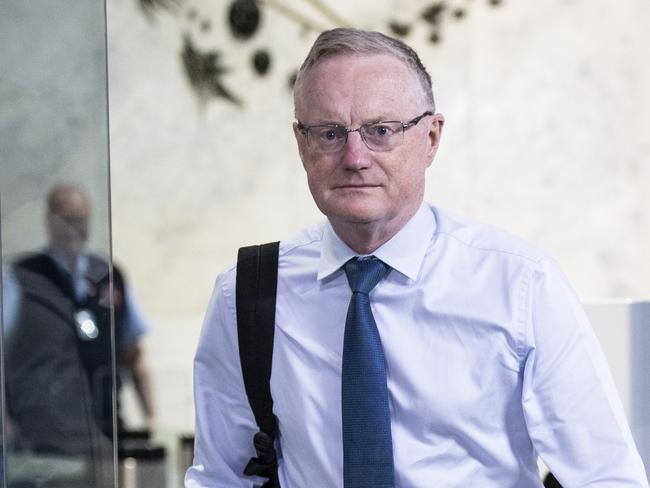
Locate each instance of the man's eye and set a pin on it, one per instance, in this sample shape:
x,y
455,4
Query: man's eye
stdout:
x,y
380,130
330,134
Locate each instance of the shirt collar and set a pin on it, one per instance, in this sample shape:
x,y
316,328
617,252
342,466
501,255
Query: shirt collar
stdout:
x,y
79,267
404,252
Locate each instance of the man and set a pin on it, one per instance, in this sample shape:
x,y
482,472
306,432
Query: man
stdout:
x,y
486,357
53,409
79,282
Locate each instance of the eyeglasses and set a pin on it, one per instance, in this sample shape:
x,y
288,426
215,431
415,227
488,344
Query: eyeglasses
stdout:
x,y
377,136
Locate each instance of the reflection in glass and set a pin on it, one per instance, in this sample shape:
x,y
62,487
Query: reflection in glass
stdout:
x,y
57,342
55,415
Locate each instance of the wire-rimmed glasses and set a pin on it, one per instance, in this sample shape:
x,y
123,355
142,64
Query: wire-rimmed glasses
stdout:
x,y
379,136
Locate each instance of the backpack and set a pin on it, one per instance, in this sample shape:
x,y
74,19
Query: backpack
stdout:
x,y
255,289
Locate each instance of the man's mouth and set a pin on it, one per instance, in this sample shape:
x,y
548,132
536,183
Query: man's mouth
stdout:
x,y
355,186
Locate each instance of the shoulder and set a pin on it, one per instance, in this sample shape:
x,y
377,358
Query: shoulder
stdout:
x,y
482,238
304,244
37,273
294,251
39,294
33,261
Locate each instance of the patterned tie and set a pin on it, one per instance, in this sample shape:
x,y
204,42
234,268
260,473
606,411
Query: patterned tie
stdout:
x,y
367,442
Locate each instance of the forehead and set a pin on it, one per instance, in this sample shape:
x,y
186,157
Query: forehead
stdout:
x,y
71,203
353,87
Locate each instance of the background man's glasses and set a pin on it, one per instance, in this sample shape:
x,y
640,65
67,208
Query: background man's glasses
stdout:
x,y
377,136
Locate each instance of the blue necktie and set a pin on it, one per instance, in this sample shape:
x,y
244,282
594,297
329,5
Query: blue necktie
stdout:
x,y
367,442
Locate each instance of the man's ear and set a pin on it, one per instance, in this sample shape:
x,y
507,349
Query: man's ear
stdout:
x,y
301,140
436,123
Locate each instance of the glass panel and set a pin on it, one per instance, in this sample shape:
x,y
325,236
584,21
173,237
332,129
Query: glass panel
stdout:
x,y
57,341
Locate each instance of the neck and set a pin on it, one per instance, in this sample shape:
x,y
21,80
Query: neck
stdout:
x,y
367,237
66,258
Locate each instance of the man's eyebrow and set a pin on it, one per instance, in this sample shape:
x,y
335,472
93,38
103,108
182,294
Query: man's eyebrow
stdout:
x,y
369,121
327,122
383,118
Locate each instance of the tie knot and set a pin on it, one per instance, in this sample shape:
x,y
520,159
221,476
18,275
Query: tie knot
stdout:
x,y
364,274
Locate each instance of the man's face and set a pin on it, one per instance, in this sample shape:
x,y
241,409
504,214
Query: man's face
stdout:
x,y
68,223
356,185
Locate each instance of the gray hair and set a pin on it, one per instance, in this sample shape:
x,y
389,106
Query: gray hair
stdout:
x,y
344,41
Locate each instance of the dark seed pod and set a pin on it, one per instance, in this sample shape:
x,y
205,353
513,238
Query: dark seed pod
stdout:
x,y
399,28
433,13
244,18
434,38
261,61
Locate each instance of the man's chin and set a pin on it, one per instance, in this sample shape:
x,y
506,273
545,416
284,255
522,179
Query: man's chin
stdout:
x,y
355,211
361,216
77,250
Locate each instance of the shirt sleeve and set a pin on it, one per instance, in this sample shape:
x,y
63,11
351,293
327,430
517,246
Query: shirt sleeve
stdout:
x,y
225,425
135,323
10,300
574,416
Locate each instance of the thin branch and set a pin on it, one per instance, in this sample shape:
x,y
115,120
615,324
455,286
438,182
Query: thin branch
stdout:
x,y
330,14
295,16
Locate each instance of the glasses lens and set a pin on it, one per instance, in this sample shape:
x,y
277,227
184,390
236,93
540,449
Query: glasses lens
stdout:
x,y
328,138
382,136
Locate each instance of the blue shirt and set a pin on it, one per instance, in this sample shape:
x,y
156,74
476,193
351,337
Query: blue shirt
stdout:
x,y
10,301
490,362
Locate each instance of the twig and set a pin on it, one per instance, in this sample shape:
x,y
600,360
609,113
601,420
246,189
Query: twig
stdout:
x,y
295,16
330,14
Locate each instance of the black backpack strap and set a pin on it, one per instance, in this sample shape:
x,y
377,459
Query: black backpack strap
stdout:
x,y
256,286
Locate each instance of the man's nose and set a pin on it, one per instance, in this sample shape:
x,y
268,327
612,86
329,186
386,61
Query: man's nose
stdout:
x,y
355,152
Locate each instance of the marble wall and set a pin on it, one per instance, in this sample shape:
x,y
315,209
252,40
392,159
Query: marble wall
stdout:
x,y
53,122
547,111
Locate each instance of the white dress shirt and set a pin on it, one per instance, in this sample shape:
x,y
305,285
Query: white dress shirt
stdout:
x,y
490,363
